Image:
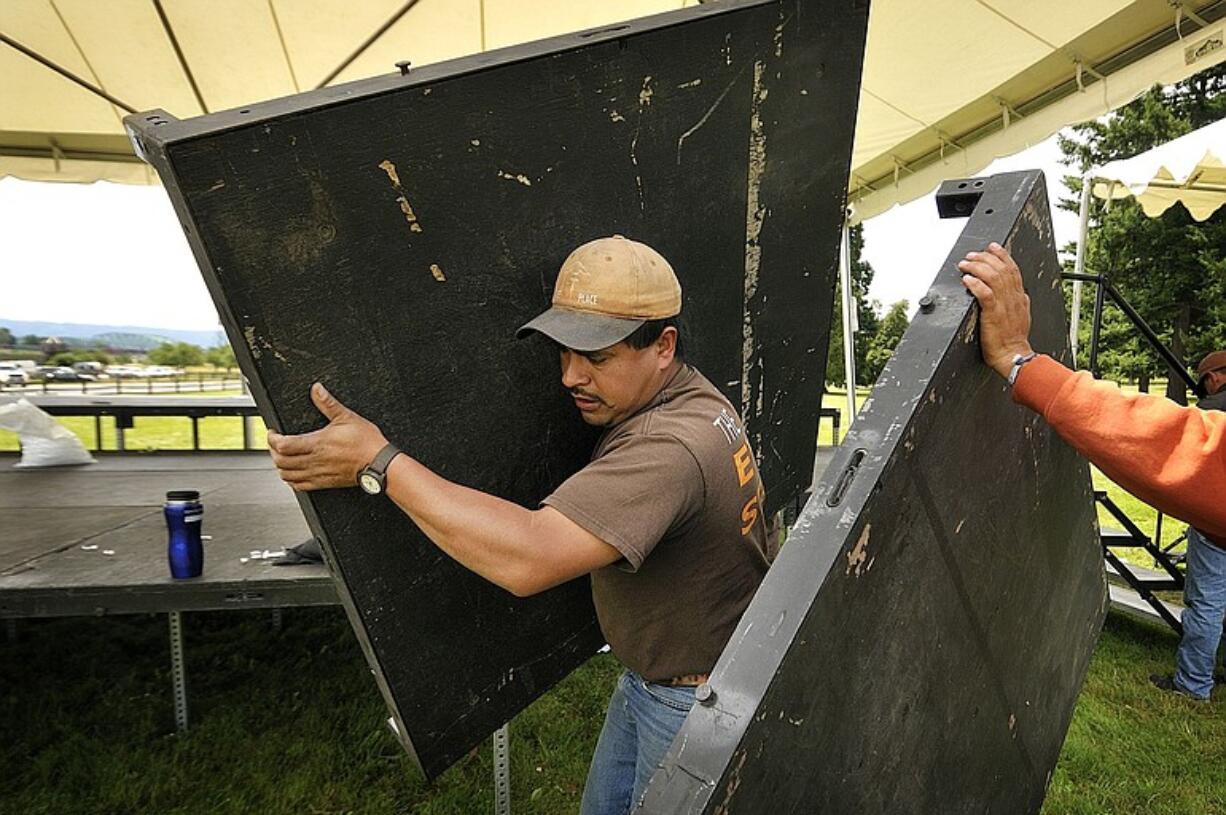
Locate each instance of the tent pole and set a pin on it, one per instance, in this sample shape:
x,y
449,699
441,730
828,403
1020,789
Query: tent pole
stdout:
x,y
64,72
849,337
1079,265
361,49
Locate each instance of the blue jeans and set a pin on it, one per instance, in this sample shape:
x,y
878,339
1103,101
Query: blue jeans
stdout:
x,y
642,720
1204,596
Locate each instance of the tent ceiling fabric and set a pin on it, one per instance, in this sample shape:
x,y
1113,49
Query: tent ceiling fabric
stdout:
x,y
960,100
945,90
1188,170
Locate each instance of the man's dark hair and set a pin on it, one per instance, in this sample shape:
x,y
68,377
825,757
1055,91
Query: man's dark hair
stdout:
x,y
650,331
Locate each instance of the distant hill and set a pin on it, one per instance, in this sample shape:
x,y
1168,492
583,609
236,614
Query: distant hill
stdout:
x,y
131,342
120,336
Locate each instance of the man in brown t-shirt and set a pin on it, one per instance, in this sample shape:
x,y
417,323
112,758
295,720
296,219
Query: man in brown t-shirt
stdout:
x,y
667,518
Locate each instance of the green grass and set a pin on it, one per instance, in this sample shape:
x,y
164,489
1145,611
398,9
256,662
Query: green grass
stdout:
x,y
281,723
1132,748
292,723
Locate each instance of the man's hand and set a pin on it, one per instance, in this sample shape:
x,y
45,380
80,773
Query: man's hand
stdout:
x,y
1004,306
330,457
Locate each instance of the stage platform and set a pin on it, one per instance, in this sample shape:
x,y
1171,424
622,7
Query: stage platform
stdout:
x,y
59,523
92,539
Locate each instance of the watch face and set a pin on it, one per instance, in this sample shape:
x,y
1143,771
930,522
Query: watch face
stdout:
x,y
369,483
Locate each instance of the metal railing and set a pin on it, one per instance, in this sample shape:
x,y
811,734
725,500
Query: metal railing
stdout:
x,y
123,410
1132,537
182,383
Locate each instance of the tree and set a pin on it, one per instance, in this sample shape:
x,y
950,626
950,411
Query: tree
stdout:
x,y
177,354
221,357
32,340
1171,269
866,316
81,355
6,338
893,325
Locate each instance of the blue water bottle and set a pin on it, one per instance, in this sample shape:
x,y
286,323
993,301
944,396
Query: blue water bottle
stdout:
x,y
184,517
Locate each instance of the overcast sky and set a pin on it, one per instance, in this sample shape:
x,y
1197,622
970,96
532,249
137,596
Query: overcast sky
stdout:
x,y
907,244
115,255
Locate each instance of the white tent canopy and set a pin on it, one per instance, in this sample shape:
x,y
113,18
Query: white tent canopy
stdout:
x,y
948,85
1185,170
1188,170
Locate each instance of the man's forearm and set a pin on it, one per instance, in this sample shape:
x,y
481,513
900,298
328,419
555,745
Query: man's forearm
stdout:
x,y
488,535
1169,456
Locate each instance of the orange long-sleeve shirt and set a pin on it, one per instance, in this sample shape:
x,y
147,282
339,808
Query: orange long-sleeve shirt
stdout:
x,y
1169,456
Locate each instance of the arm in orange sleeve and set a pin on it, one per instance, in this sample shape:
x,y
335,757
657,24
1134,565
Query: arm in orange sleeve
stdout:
x,y
1169,456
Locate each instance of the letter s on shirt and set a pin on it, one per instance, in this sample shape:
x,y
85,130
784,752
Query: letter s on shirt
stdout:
x,y
749,514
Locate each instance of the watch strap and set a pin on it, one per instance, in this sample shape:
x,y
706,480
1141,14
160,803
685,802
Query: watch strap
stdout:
x,y
382,459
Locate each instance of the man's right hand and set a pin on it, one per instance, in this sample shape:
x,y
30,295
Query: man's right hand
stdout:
x,y
1004,306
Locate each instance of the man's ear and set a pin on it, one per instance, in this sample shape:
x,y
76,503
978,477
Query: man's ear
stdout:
x,y
666,346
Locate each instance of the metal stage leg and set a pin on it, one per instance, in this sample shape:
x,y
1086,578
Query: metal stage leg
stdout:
x,y
178,671
277,620
502,771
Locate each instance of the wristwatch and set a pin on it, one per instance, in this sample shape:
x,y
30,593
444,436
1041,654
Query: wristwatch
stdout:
x,y
373,477
1018,362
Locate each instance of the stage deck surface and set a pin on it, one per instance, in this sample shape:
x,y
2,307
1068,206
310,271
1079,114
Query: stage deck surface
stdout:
x,y
92,539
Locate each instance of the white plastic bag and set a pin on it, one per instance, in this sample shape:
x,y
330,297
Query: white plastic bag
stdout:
x,y
44,441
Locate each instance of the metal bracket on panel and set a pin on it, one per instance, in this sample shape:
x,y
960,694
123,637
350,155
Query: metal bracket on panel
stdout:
x,y
137,126
244,596
958,197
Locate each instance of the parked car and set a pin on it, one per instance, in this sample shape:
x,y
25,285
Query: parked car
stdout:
x,y
126,371
13,374
64,374
92,368
162,370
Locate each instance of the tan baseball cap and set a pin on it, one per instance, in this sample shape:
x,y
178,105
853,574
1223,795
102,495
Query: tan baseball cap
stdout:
x,y
606,289
1211,362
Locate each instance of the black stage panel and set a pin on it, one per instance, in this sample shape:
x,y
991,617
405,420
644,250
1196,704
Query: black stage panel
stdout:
x,y
387,237
920,642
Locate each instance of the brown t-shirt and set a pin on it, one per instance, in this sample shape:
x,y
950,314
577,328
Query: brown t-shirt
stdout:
x,y
675,489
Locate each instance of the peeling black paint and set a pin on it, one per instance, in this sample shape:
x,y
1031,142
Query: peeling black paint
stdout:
x,y
387,237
